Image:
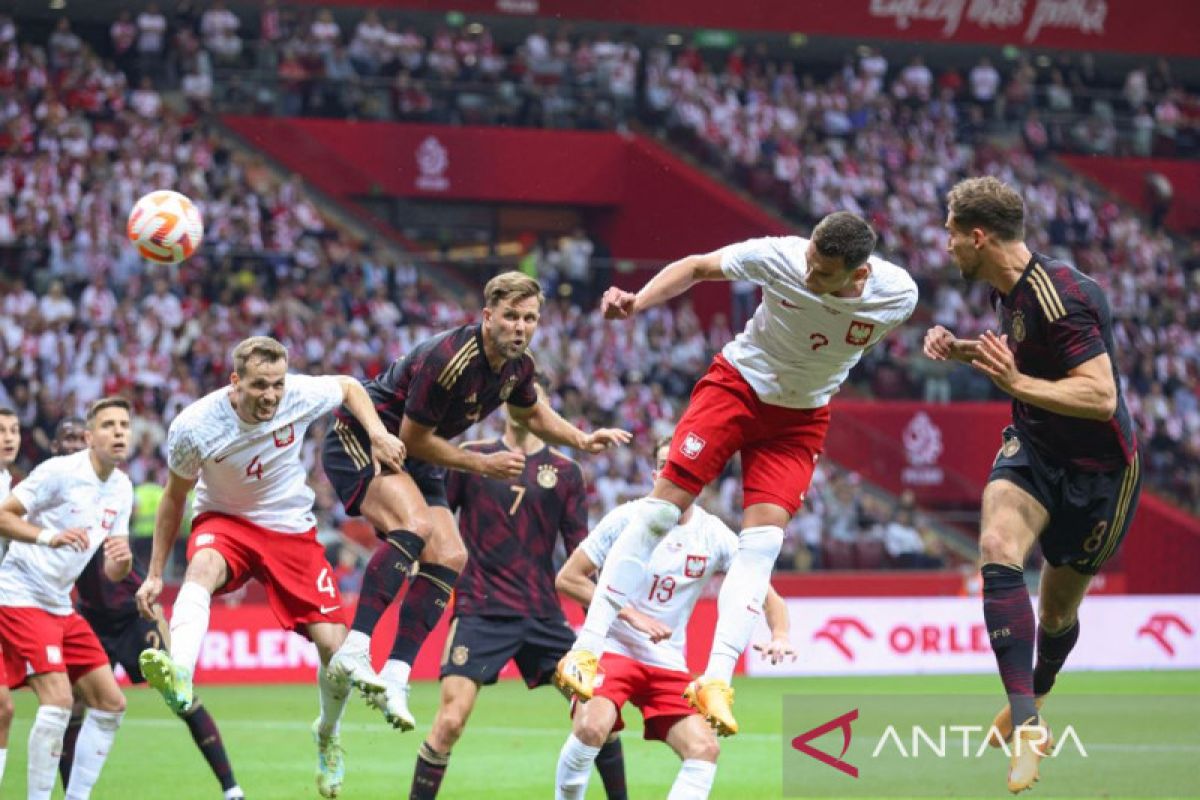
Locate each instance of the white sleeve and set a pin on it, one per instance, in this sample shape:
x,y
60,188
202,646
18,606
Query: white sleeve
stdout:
x,y
600,541
317,394
38,491
183,455
764,261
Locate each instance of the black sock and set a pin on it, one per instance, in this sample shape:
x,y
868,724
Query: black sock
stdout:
x,y
422,608
68,748
427,777
384,576
1052,652
1008,613
610,763
208,738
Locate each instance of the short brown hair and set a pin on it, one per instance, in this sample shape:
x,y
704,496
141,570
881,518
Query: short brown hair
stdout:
x,y
261,347
514,286
111,401
990,204
846,236
7,412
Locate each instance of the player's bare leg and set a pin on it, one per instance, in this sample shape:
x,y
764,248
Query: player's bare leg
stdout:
x,y
622,575
458,699
591,727
6,718
739,607
171,674
1011,521
1061,593
697,747
334,692
396,509
426,601
105,709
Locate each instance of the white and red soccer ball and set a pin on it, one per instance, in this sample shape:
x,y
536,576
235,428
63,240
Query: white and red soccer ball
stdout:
x,y
165,227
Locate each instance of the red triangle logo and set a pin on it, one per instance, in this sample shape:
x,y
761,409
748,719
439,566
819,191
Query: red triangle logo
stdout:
x,y
801,742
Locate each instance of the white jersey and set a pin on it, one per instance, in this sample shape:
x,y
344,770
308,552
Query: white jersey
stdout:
x,y
799,347
61,493
252,470
5,488
682,563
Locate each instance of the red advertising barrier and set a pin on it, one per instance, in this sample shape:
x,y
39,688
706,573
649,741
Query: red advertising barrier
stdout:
x,y
1126,177
1166,27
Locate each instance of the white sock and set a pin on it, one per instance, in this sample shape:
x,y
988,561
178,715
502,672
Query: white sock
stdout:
x,y
235,793
739,605
356,642
45,749
91,750
396,671
574,769
3,761
625,568
189,623
334,694
694,781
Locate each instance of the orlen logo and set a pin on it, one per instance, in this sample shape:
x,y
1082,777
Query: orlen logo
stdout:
x,y
835,629
1159,624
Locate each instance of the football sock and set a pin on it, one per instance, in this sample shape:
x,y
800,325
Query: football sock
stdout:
x,y
384,576
334,694
739,605
574,769
422,608
3,761
1008,613
694,781
396,671
45,748
95,740
1052,652
207,737
68,748
427,777
625,568
610,763
189,623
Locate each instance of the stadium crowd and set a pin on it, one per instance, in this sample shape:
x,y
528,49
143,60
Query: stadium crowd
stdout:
x,y
82,136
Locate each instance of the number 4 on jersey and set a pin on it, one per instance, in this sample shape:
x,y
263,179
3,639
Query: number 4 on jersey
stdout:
x,y
254,469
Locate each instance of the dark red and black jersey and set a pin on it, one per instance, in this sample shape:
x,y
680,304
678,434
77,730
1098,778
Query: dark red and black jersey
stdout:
x,y
1057,318
510,529
447,384
103,601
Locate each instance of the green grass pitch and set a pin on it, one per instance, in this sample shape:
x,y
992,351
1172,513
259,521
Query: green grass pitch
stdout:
x,y
512,741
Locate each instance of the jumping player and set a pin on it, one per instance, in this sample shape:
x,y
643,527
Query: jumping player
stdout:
x,y
68,509
109,607
505,606
825,301
240,447
643,661
437,391
1068,475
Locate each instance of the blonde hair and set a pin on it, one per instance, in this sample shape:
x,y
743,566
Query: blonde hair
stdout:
x,y
514,286
260,347
103,403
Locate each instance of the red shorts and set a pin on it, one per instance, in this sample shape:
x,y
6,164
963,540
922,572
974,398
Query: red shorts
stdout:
x,y
779,446
292,566
35,641
656,692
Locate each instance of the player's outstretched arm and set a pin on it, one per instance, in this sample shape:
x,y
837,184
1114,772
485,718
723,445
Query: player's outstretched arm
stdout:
x,y
780,647
166,530
672,281
548,425
1088,391
423,443
575,581
942,345
386,448
13,526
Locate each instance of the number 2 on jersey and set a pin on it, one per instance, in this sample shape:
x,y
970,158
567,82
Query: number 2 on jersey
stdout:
x,y
662,589
254,468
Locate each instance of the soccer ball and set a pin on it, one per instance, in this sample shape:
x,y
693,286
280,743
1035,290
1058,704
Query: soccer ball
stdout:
x,y
165,227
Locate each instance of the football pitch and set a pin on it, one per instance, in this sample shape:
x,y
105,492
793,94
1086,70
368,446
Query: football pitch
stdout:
x,y
511,744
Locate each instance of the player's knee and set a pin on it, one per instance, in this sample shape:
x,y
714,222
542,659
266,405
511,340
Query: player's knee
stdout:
x,y
449,728
110,702
765,541
704,749
592,733
1055,620
996,548
660,515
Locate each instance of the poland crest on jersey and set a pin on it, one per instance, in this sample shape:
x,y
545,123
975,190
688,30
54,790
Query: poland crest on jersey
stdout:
x,y
860,333
285,436
694,566
692,445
